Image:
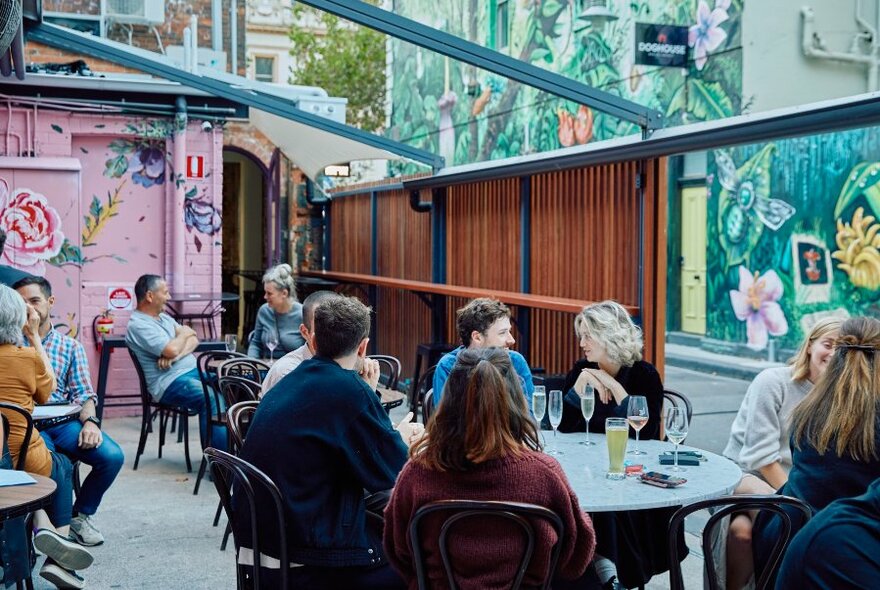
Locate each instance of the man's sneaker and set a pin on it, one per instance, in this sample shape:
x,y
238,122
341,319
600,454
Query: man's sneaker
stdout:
x,y
62,578
64,552
84,532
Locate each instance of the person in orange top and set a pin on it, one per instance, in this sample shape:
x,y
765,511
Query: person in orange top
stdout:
x,y
26,377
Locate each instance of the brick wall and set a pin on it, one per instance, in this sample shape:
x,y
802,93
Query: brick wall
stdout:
x,y
177,18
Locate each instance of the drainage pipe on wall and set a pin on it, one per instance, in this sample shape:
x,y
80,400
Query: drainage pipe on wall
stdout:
x,y
175,217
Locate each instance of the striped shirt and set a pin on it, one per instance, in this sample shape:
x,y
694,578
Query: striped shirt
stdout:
x,y
68,358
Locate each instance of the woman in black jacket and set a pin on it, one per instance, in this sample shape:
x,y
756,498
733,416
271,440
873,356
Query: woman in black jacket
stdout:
x,y
633,541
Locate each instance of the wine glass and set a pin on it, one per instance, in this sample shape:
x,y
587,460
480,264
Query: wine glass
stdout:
x,y
231,342
539,404
271,342
676,430
554,411
637,415
588,403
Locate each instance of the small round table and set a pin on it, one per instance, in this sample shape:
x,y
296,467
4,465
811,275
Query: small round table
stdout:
x,y
390,398
17,501
585,468
49,415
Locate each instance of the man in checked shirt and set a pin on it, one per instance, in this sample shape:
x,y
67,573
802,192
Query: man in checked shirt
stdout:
x,y
81,440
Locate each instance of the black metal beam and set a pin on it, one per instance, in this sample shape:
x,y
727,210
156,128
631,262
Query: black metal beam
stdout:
x,y
77,42
465,51
828,116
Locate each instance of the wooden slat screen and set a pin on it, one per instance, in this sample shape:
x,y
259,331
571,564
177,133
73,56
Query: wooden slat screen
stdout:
x,y
585,235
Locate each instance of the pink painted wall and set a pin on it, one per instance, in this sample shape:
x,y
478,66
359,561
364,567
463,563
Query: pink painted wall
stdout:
x,y
90,202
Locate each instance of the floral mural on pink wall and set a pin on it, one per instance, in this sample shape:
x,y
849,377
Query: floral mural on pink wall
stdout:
x,y
33,229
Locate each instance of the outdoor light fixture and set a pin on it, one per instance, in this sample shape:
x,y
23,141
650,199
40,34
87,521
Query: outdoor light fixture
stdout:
x,y
596,13
339,171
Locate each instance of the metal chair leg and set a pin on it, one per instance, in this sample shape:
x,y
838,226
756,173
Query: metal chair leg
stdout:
x,y
184,425
202,467
218,513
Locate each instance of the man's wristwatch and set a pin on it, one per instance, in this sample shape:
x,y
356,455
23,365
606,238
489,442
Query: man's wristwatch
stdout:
x,y
94,420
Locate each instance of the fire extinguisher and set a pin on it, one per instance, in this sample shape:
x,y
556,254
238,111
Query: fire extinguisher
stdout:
x,y
103,327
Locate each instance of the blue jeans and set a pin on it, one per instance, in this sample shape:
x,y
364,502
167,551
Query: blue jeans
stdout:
x,y
60,504
186,392
105,460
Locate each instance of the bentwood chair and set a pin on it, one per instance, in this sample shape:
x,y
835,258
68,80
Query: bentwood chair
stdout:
x,y
424,385
257,500
9,408
428,406
207,364
680,400
459,511
726,506
389,370
249,368
238,419
150,409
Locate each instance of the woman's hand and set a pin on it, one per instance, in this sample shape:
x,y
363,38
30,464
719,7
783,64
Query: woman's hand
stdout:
x,y
608,388
587,378
409,431
31,328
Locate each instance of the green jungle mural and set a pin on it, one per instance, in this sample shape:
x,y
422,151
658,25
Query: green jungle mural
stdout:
x,y
469,115
793,235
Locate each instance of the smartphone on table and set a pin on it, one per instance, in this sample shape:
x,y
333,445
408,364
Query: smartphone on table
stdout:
x,y
662,480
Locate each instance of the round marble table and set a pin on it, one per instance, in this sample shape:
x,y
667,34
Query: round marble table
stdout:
x,y
585,468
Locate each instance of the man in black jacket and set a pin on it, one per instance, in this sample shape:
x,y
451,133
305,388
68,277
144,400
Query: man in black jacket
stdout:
x,y
324,442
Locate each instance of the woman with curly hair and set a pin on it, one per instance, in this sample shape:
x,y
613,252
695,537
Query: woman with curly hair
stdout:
x,y
482,444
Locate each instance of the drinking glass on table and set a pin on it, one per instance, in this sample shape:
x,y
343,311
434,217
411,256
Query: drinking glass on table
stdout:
x,y
539,404
676,431
588,403
554,411
637,414
270,339
231,341
616,435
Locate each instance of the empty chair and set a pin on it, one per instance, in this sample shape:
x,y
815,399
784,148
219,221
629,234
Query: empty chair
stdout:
x,y
255,495
389,367
235,389
249,368
459,512
428,406
239,417
727,505
678,399
150,409
417,399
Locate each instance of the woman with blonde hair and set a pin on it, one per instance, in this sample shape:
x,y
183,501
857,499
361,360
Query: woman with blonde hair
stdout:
x,y
835,431
278,320
483,445
759,437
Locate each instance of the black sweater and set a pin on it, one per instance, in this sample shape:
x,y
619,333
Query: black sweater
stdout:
x,y
323,439
640,379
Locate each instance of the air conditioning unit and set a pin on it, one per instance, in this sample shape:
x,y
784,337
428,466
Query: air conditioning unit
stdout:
x,y
135,12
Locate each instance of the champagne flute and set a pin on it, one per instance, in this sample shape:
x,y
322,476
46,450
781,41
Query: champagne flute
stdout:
x,y
637,415
554,411
539,404
588,403
231,342
271,342
676,430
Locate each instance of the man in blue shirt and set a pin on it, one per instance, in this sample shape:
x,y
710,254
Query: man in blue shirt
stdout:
x,y
82,439
483,323
164,350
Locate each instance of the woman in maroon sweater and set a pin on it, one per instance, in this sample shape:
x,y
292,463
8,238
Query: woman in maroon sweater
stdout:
x,y
482,445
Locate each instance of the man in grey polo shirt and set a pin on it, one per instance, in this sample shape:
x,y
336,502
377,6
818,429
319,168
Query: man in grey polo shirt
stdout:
x,y
164,349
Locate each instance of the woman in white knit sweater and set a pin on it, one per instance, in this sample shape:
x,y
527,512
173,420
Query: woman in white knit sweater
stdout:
x,y
759,437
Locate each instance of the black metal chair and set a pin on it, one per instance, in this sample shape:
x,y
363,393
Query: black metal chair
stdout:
x,y
238,419
257,494
389,367
431,352
249,368
6,408
417,399
428,406
238,389
680,400
207,364
461,510
728,505
150,409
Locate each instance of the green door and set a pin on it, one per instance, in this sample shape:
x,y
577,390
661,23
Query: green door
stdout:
x,y
693,265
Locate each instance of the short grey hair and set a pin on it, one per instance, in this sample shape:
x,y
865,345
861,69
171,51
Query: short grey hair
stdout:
x,y
13,315
610,324
281,275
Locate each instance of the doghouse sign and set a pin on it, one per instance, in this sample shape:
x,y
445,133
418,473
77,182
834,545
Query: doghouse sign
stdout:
x,y
120,298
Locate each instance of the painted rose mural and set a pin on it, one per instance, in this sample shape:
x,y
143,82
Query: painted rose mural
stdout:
x,y
793,235
33,229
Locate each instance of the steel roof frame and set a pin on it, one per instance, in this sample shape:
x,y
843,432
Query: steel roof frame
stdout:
x,y
488,59
144,61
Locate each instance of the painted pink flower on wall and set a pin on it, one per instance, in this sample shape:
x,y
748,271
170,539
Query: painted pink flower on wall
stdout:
x,y
33,229
707,35
755,302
